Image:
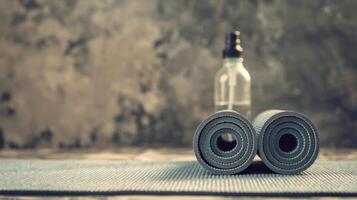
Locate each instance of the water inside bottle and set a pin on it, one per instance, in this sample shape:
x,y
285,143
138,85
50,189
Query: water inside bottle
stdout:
x,y
243,108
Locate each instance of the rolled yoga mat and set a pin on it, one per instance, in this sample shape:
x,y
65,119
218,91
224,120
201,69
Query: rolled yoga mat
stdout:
x,y
222,155
288,142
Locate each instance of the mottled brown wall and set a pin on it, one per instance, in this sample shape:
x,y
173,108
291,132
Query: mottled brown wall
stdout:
x,y
101,73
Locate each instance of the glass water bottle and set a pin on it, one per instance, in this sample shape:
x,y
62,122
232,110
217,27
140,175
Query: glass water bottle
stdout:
x,y
232,82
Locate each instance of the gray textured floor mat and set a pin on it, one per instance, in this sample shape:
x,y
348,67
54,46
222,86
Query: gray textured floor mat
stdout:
x,y
43,177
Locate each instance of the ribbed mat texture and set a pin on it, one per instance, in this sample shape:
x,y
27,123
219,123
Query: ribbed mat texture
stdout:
x,y
288,141
221,156
43,177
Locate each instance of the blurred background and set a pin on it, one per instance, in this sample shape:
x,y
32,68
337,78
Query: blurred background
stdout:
x,y
86,73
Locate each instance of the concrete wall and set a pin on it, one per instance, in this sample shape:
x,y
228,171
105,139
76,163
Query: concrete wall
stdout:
x,y
101,73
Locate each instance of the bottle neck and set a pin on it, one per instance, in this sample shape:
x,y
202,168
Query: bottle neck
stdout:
x,y
233,62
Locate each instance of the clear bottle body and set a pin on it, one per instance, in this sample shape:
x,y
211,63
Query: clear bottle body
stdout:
x,y
232,89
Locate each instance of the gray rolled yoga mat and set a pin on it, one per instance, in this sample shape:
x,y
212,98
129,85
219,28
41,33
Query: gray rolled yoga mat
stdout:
x,y
288,141
222,156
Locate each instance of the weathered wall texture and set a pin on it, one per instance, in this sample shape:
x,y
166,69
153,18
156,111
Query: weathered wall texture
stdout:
x,y
101,73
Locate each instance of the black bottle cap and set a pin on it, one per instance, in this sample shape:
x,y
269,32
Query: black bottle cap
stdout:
x,y
233,48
